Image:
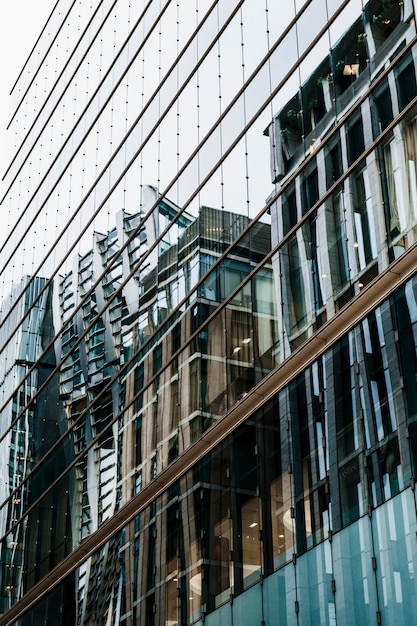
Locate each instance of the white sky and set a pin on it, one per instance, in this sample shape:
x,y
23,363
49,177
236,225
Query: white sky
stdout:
x,y
21,22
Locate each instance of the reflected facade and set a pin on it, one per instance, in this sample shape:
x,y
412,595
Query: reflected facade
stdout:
x,y
208,322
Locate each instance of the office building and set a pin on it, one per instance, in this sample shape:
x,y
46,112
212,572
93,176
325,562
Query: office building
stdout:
x,y
208,322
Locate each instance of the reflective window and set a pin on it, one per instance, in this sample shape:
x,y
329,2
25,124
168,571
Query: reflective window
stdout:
x,y
365,243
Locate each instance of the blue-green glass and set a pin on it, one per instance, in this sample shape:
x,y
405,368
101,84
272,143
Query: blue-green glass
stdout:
x,y
352,552
314,586
247,607
279,597
394,532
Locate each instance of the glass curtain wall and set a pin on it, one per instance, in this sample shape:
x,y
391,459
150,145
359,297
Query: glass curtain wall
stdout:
x,y
275,508
201,209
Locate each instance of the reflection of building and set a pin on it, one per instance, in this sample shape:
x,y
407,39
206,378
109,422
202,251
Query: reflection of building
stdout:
x,y
236,423
30,426
367,220
110,354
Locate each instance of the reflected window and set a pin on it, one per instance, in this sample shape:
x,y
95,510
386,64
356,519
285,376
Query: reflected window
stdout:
x,y
393,175
355,141
283,522
364,244
390,468
251,545
289,209
297,301
313,249
176,338
337,243
151,570
333,163
309,190
265,321
406,84
381,18
345,407
382,110
379,377
317,94
138,382
410,141
209,289
349,57
194,391
402,181
231,275
157,358
241,340
351,491
289,132
221,574
174,404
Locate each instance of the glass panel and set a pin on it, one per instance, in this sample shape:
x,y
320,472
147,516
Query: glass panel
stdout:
x,y
266,332
406,81
314,584
394,528
309,23
337,242
248,607
241,375
352,551
295,285
410,141
280,596
382,111
365,242
350,437
381,21
355,140
333,162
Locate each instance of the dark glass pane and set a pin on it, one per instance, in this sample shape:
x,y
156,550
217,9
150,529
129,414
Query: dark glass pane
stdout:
x,y
309,190
289,210
333,161
406,83
383,109
355,141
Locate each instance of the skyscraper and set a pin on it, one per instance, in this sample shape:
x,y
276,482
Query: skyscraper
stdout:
x,y
208,324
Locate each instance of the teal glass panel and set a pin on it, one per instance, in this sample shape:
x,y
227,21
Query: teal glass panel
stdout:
x,y
394,529
356,598
221,617
247,608
279,596
314,582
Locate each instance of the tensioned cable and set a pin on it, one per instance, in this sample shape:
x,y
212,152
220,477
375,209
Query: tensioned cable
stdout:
x,y
54,86
208,440
189,160
396,121
133,271
97,90
215,4
120,148
263,393
45,55
404,113
95,94
46,286
100,278
305,218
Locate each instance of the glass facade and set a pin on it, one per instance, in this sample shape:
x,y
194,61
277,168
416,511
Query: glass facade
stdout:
x,y
208,318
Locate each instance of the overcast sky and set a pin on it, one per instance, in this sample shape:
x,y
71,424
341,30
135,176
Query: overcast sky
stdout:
x,y
21,22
